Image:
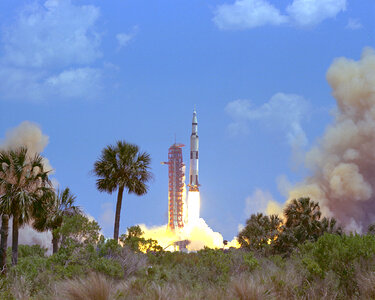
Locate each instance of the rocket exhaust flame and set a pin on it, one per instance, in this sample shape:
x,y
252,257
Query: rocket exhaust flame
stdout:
x,y
193,207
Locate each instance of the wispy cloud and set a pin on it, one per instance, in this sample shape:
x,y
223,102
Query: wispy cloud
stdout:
x,y
282,112
247,14
354,24
56,33
49,52
244,14
123,39
313,12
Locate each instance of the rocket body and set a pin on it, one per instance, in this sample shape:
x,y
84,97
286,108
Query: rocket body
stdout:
x,y
194,155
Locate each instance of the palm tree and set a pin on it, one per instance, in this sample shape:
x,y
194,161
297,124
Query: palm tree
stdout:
x,y
23,182
58,205
4,231
329,225
260,232
4,242
121,167
302,216
302,211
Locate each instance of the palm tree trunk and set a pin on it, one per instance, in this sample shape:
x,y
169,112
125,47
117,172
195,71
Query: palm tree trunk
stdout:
x,y
118,211
15,239
55,242
4,242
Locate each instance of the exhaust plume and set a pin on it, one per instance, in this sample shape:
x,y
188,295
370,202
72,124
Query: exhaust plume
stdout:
x,y
343,161
199,235
29,135
26,134
196,230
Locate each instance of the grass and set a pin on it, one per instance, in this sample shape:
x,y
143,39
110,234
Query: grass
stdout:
x,y
94,287
332,268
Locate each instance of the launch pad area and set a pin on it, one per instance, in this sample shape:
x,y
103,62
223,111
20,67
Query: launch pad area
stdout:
x,y
181,213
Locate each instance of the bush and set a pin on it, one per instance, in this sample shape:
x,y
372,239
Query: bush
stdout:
x,y
205,267
134,240
250,261
79,229
340,254
34,250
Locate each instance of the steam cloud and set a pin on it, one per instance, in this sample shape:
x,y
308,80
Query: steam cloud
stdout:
x,y
199,235
195,230
30,135
343,161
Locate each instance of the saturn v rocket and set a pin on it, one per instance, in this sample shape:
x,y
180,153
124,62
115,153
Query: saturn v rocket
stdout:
x,y
179,213
194,156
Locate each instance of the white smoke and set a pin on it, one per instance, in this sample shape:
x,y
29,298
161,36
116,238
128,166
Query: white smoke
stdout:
x,y
196,230
30,135
28,236
199,234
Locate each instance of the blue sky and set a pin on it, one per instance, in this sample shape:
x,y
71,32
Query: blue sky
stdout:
x,y
93,72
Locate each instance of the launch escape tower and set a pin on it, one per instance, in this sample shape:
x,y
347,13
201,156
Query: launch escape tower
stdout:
x,y
176,176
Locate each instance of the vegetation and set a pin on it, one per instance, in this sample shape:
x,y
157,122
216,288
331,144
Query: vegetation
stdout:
x,y
269,235
134,240
51,218
301,256
122,167
333,267
87,266
260,233
23,182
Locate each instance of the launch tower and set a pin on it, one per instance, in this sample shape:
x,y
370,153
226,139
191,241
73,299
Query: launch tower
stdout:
x,y
176,173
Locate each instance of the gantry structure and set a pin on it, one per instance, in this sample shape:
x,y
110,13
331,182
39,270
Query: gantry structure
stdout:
x,y
176,178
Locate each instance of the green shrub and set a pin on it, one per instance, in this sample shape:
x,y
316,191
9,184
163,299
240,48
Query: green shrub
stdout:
x,y
339,254
313,267
34,250
135,241
205,267
250,261
108,247
108,267
34,270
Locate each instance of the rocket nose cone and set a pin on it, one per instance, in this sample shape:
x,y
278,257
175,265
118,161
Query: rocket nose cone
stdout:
x,y
195,117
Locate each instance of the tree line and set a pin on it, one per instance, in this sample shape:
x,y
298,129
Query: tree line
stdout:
x,y
27,195
301,223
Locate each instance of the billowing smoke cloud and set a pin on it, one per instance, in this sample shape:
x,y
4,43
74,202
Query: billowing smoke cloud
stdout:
x,y
30,135
199,234
343,161
26,134
196,230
